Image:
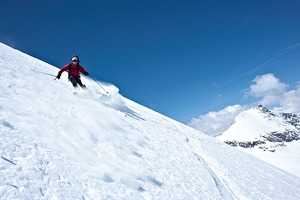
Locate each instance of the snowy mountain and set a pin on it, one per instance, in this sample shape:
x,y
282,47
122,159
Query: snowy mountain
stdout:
x,y
273,137
57,145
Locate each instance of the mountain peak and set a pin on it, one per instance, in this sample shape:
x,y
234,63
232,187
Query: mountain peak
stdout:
x,y
263,109
259,129
255,124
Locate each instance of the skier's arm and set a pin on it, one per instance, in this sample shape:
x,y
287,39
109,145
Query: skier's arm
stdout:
x,y
83,71
65,68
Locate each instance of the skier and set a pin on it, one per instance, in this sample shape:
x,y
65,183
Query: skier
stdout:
x,y
73,72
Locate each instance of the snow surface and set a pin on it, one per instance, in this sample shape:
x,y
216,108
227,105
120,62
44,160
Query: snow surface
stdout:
x,y
57,145
286,158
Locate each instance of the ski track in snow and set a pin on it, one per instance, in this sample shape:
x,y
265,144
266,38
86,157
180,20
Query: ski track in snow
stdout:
x,y
57,145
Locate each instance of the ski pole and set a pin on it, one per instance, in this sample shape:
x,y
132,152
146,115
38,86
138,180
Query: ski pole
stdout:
x,y
45,73
98,84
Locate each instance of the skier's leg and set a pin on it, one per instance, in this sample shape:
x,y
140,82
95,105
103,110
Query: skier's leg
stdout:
x,y
78,80
73,81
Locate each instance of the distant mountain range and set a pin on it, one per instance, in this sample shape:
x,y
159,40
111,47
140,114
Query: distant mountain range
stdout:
x,y
259,131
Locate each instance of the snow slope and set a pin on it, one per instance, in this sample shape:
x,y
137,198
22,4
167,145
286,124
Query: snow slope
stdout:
x,y
272,137
57,145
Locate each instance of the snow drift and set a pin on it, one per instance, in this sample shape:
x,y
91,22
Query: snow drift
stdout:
x,y
57,145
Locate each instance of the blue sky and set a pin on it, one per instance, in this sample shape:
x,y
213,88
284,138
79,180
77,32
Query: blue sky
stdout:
x,y
180,58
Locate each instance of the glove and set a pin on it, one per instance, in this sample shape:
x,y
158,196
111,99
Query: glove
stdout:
x,y
86,73
58,76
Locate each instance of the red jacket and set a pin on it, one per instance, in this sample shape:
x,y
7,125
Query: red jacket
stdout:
x,y
73,70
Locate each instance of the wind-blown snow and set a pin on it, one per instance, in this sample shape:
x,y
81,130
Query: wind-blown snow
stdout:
x,y
57,145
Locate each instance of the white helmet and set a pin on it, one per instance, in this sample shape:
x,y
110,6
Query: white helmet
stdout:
x,y
75,58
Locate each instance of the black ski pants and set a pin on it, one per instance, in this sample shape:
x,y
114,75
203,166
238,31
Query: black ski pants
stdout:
x,y
76,80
